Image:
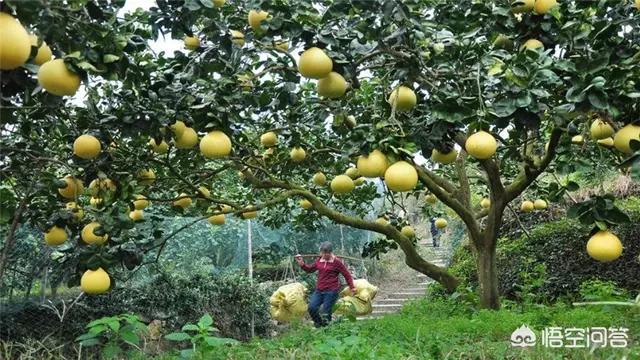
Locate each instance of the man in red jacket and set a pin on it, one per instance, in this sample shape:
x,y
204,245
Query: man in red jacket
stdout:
x,y
329,267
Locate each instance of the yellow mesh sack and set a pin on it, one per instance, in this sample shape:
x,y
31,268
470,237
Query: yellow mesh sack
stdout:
x,y
289,302
364,290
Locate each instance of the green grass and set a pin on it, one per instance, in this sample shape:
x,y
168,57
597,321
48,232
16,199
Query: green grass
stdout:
x,y
440,329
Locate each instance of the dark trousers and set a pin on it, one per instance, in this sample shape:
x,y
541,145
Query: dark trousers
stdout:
x,y
320,306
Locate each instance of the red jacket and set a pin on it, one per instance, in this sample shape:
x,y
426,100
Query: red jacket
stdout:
x,y
328,271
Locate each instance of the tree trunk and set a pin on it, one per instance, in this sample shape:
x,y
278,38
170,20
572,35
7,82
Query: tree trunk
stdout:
x,y
488,278
8,244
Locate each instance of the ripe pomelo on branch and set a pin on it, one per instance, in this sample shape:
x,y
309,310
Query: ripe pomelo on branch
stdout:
x,y
623,137
533,44
191,42
88,236
402,98
352,172
342,184
255,18
97,186
441,223
146,176
72,189
431,199
44,51
408,231
373,165
237,38
178,128
306,204
604,246
359,181
15,45
269,139
319,179
216,219
55,236
577,140
218,3
249,214
606,142
140,202
601,130
95,282
332,86
75,210
297,154
542,7
187,140
215,145
481,145
183,201
485,203
136,215
401,176
314,64
86,147
56,79
161,148
444,158
382,221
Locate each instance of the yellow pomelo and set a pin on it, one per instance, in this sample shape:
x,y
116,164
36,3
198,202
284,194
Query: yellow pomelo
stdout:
x,y
638,4
76,210
319,179
521,6
543,6
485,203
215,145
382,221
373,165
402,99
95,282
444,158
481,145
431,199
204,192
55,236
269,139
359,181
136,215
441,223
15,45
601,130
183,201
89,237
297,154
219,3
577,140
352,172
216,219
178,128
86,147
44,51
401,176
249,214
332,86
146,177
533,44
342,184
161,148
540,204
526,206
97,186
188,140
408,231
140,202
606,142
255,18
73,189
623,137
191,42
306,204
314,63
604,246
54,77
237,38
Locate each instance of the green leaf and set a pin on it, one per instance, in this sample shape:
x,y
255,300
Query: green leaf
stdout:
x,y
598,98
86,336
111,350
109,58
130,337
178,336
190,327
504,108
90,342
114,324
205,321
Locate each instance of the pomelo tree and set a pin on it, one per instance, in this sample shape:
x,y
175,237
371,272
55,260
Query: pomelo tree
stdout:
x,y
287,111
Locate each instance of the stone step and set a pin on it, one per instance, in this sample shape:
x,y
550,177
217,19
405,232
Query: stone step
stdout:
x,y
382,312
386,306
391,300
412,293
424,288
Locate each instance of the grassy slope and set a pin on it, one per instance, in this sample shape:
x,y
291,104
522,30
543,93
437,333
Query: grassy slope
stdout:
x,y
440,329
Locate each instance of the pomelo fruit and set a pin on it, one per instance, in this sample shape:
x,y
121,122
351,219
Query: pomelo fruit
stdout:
x,y
401,176
314,63
604,246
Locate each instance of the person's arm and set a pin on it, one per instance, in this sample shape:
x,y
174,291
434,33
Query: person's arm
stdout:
x,y
347,275
305,267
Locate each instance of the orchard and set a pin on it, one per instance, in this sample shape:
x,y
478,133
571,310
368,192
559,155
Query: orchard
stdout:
x,y
478,113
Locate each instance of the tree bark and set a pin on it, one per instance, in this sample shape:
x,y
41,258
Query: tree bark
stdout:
x,y
8,244
488,277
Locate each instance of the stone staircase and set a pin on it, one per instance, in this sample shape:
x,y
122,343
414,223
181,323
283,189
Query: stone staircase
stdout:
x,y
390,302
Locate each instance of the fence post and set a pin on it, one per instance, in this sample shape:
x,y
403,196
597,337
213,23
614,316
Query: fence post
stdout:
x,y
250,260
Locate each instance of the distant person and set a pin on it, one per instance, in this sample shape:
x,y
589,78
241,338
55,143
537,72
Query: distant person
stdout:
x,y
329,268
434,233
